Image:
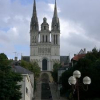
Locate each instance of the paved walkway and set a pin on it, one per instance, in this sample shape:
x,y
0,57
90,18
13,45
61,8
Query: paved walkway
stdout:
x,y
54,92
38,92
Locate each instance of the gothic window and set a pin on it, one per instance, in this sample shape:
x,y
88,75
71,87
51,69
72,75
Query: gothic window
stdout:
x,y
55,26
46,38
44,27
43,38
56,39
44,64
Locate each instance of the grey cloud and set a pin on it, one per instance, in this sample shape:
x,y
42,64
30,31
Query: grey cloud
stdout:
x,y
79,40
85,12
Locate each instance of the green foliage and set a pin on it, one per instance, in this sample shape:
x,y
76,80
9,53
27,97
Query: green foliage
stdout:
x,y
3,59
9,88
33,67
54,73
88,66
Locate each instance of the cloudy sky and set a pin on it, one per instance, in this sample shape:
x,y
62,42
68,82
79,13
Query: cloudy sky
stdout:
x,y
79,20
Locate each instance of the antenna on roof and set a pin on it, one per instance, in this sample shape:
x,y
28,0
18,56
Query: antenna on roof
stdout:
x,y
15,58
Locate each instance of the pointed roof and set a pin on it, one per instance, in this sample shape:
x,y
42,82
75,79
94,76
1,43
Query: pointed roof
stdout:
x,y
34,19
55,10
55,20
34,9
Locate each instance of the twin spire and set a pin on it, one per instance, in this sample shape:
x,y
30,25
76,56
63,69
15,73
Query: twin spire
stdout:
x,y
34,20
34,9
55,10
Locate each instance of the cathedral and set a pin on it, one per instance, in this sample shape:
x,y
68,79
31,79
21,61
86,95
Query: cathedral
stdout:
x,y
45,43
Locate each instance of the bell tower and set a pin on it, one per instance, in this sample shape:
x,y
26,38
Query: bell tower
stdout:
x,y
45,34
34,32
55,32
45,43
55,20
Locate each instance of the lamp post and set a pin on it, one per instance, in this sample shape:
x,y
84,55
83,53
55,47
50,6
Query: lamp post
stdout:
x,y
73,80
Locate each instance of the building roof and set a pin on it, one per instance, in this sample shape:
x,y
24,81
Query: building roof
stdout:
x,y
79,56
21,70
64,68
25,58
64,59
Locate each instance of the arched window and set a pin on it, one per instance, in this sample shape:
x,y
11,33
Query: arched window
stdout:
x,y
44,64
44,27
43,38
56,39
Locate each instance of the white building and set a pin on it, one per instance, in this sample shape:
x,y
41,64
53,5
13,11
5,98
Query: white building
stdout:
x,y
27,84
45,43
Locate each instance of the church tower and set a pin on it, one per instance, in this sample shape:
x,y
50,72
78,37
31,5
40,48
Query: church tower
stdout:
x,y
55,32
45,44
44,33
34,29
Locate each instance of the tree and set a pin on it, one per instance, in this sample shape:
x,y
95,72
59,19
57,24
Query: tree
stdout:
x,y
32,66
54,73
9,88
88,66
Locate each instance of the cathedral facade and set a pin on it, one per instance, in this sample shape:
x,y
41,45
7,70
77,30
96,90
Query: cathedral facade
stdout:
x,y
45,43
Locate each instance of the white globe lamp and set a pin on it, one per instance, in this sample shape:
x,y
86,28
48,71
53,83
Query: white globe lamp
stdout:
x,y
77,74
86,80
72,80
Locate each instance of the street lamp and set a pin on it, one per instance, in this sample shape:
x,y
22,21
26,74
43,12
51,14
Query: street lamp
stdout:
x,y
73,80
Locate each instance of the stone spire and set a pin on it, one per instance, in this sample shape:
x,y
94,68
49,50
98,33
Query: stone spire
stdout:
x,y
34,20
55,10
55,20
34,9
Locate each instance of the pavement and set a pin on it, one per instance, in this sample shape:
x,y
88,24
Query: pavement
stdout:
x,y
38,92
54,93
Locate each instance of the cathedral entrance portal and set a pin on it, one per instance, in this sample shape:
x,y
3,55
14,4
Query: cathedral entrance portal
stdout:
x,y
45,77
44,64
